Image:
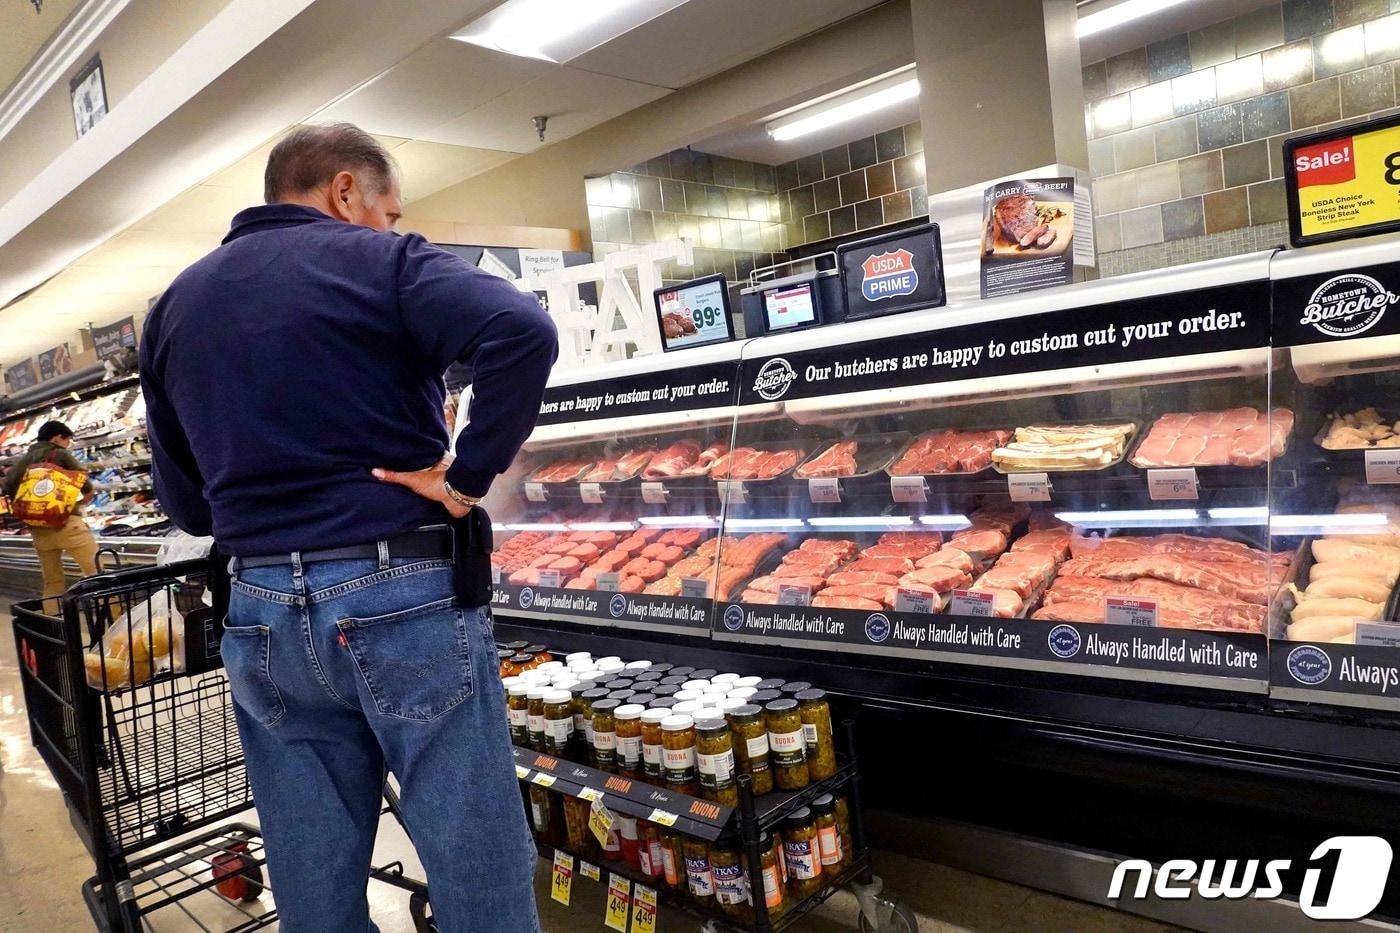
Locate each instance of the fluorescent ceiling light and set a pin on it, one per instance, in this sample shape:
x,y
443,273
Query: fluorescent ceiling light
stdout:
x,y
1121,13
559,30
846,105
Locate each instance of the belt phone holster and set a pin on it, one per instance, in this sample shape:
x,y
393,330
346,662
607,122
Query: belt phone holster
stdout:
x,y
471,548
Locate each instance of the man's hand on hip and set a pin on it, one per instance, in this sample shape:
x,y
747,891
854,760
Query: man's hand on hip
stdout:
x,y
429,483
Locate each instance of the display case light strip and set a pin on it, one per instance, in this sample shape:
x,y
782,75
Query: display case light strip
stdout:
x,y
852,521
603,526
752,523
946,522
1132,516
1353,522
1239,512
536,526
679,521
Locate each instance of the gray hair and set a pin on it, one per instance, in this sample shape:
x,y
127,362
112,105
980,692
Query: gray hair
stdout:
x,y
309,157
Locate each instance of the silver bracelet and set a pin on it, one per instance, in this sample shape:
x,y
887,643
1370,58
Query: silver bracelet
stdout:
x,y
457,497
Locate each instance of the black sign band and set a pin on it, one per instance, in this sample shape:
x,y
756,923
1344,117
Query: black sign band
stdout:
x,y
683,387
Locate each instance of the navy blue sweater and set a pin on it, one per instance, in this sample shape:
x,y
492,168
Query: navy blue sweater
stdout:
x,y
282,367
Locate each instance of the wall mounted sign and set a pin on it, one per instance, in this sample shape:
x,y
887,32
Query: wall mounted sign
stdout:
x,y
88,91
110,340
22,376
1343,182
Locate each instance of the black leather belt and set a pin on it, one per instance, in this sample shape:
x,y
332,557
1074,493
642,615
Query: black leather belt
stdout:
x,y
423,544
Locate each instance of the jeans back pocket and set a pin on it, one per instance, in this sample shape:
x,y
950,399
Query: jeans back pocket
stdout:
x,y
416,663
246,651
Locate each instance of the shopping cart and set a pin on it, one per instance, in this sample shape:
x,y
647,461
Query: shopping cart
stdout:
x,y
129,707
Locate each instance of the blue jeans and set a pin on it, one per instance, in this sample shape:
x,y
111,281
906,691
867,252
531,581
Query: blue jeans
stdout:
x,y
341,670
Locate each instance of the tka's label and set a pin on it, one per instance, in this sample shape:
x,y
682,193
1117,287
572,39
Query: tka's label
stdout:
x,y
592,493
607,581
824,489
1028,487
907,600
790,595
1165,485
1125,610
908,489
971,603
535,492
1383,466
653,493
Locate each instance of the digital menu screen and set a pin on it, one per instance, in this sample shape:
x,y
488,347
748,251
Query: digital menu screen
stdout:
x,y
694,314
790,306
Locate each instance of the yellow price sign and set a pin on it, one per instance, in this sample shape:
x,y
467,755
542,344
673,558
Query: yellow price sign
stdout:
x,y
522,772
1347,183
562,877
619,899
590,871
643,910
662,817
600,821
542,779
590,793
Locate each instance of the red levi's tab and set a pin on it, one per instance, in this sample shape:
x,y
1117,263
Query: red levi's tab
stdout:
x,y
1325,163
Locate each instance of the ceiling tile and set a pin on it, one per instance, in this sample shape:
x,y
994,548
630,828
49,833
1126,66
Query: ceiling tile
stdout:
x,y
429,167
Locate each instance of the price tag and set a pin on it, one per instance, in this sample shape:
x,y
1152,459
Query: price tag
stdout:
x,y
1172,484
542,779
522,772
1028,487
592,493
608,580
662,817
695,588
1383,466
654,493
600,821
731,491
908,489
971,603
589,871
824,489
619,899
495,574
1378,634
644,910
792,595
906,600
561,878
535,492
590,793
551,578
1125,610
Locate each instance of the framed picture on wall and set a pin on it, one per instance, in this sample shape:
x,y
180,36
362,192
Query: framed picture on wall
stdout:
x,y
89,94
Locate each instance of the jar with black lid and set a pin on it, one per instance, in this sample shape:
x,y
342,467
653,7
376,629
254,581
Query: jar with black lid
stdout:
x,y
750,742
704,673
764,697
663,689
516,646
794,687
682,672
817,734
771,683
714,761
588,698
605,734
642,699
787,746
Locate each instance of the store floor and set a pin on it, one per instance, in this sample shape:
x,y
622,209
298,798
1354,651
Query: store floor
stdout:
x,y
43,865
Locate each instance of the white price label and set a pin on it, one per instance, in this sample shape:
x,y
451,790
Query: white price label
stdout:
x,y
653,494
731,491
551,578
972,603
592,493
915,601
495,574
590,794
1379,634
824,489
535,492
1028,487
1126,610
790,595
908,489
607,581
1383,466
542,779
662,817
1180,484
522,772
695,588
589,870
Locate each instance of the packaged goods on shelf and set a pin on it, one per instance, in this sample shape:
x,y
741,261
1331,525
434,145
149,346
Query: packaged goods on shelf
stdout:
x,y
1054,447
1242,437
949,451
1360,429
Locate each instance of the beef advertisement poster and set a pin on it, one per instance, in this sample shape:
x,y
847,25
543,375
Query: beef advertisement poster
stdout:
x,y
1027,235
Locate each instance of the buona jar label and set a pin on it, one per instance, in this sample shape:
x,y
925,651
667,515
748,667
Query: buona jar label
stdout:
x,y
789,748
679,764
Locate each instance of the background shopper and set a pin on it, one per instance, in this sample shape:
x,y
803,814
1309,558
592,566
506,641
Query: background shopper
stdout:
x,y
74,538
279,372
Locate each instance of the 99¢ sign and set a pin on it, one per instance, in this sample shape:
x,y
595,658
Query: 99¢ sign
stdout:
x,y
1344,182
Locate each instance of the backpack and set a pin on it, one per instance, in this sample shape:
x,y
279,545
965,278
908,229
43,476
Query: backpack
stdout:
x,y
47,495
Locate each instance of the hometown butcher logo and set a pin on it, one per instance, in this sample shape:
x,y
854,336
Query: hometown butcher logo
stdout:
x,y
1064,641
888,275
1309,665
773,379
617,605
1347,305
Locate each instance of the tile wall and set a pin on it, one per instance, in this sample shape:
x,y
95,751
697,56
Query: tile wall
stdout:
x,y
1185,135
864,184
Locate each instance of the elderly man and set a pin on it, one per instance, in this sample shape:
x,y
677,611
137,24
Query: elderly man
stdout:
x,y
294,393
